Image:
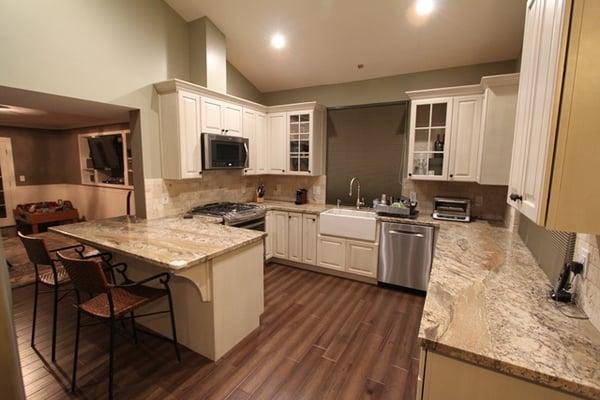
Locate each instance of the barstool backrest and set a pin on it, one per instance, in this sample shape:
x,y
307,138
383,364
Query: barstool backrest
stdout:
x,y
36,250
86,275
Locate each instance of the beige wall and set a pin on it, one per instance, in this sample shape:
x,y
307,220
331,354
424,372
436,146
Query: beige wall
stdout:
x,y
588,286
390,88
110,51
238,85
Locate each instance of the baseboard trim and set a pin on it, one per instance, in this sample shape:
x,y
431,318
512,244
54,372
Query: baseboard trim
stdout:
x,y
325,271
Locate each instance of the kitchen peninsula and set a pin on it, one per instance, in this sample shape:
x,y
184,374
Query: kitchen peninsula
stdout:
x,y
216,273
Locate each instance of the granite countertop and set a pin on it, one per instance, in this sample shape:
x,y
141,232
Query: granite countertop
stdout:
x,y
487,304
171,242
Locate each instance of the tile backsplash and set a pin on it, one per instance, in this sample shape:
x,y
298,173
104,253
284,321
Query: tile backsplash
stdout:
x,y
171,197
588,286
487,201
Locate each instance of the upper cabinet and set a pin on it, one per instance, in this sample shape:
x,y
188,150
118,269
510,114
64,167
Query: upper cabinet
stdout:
x,y
286,139
180,128
429,127
463,133
305,134
553,178
221,117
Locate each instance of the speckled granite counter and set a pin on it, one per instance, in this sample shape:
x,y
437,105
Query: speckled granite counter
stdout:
x,y
174,242
487,304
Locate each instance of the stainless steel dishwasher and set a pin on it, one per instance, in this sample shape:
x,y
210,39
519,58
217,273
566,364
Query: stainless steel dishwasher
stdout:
x,y
405,255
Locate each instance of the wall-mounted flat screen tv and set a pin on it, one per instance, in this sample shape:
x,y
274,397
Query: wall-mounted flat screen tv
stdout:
x,y
107,152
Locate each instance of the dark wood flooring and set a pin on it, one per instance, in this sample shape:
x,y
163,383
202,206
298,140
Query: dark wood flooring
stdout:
x,y
321,337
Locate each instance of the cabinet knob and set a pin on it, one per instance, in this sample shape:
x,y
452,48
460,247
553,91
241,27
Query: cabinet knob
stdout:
x,y
283,170
515,197
409,174
451,175
200,173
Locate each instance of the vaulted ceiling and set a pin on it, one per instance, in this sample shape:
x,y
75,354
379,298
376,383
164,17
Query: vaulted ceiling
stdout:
x,y
327,39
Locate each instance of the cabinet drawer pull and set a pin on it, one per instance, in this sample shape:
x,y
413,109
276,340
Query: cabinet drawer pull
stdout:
x,y
516,197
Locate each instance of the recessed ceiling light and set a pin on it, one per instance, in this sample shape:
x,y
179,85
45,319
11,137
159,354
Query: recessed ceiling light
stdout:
x,y
278,41
424,7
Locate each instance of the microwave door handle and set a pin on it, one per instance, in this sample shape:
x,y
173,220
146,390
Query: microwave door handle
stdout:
x,y
245,153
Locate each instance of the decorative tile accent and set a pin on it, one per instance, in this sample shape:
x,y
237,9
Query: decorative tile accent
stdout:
x,y
588,286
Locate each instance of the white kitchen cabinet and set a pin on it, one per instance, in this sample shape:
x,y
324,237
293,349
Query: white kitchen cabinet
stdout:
x,y
362,258
537,104
276,143
212,115
428,147
232,119
497,128
310,231
305,142
464,138
295,237
280,237
331,253
180,128
254,128
221,117
270,230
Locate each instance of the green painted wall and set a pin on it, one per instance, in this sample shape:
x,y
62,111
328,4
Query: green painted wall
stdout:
x,y
238,85
104,50
391,88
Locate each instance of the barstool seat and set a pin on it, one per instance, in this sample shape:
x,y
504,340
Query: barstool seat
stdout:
x,y
124,301
47,278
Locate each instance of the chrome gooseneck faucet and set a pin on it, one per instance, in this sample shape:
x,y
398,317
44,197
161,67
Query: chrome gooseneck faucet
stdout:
x,y
359,203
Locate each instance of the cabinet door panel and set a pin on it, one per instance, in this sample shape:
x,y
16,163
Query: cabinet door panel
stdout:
x,y
466,130
428,148
261,143
212,115
295,237
280,239
232,119
271,233
361,258
309,239
276,143
189,132
332,253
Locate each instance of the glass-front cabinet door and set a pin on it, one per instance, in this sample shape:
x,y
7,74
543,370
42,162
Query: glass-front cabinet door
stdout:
x,y
428,145
300,128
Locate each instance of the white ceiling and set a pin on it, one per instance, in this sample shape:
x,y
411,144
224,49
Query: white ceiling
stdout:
x,y
326,39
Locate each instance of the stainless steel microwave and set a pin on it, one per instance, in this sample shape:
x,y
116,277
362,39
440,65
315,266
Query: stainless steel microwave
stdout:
x,y
224,152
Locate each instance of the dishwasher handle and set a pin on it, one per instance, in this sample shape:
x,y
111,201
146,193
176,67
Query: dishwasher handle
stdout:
x,y
407,233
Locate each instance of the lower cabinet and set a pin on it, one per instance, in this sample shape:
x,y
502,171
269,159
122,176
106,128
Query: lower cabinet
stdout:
x,y
361,258
332,252
352,256
310,231
280,234
295,237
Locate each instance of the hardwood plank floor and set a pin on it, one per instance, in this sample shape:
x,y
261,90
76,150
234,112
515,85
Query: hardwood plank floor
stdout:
x,y
321,337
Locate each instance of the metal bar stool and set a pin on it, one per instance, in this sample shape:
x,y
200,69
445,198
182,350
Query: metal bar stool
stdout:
x,y
113,303
57,278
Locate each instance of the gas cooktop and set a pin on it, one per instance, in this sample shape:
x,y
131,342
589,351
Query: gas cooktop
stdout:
x,y
232,213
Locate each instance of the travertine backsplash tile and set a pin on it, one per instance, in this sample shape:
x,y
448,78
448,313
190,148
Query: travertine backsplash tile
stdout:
x,y
493,198
588,286
171,197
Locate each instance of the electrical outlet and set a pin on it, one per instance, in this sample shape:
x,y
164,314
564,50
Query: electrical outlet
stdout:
x,y
317,190
243,189
585,258
278,188
21,178
478,201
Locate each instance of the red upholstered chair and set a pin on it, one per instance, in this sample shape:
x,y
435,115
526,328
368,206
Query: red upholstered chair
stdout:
x,y
113,302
